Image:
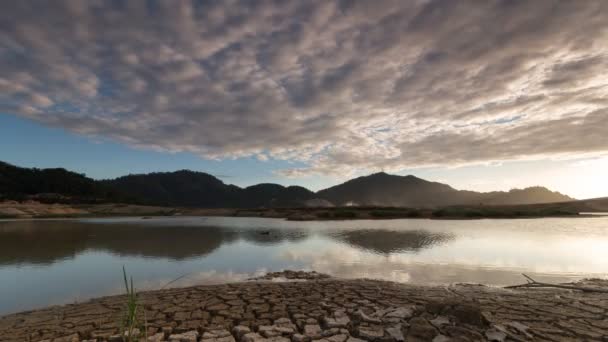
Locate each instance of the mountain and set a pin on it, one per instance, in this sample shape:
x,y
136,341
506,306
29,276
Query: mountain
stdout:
x,y
179,188
198,189
52,185
272,195
381,189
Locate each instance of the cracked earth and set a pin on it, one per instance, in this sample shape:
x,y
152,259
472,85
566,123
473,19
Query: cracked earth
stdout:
x,y
318,308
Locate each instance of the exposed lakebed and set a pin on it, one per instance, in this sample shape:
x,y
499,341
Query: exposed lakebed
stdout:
x,y
44,262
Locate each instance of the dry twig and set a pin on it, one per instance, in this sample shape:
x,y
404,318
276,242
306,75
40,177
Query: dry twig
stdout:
x,y
531,283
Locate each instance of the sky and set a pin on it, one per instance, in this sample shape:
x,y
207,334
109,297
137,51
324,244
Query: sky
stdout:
x,y
482,95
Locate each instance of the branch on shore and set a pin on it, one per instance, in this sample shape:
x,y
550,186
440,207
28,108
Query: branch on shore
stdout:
x,y
531,283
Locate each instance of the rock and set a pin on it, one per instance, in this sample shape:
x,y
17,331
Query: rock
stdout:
x,y
340,321
190,336
69,338
338,338
463,334
469,314
225,339
441,338
402,312
167,330
354,339
182,316
252,337
521,328
495,335
421,328
440,321
218,307
283,321
312,330
159,337
365,318
395,332
240,330
278,339
268,331
300,338
371,332
115,338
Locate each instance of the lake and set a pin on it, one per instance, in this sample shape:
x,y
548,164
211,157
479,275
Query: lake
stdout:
x,y
44,262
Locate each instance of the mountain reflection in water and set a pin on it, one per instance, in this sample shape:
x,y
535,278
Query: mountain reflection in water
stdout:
x,y
44,262
391,241
47,241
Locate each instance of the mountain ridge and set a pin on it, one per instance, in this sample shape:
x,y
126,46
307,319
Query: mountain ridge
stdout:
x,y
199,189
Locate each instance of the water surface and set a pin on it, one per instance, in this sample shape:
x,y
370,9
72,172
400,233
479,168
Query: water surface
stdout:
x,y
44,262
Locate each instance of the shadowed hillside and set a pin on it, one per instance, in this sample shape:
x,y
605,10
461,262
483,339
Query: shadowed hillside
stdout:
x,y
201,190
381,189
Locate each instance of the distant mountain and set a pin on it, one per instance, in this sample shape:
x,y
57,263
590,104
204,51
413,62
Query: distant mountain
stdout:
x,y
179,188
272,195
198,189
381,189
531,195
52,185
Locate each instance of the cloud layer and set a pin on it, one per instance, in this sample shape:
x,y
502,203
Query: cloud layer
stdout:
x,y
336,85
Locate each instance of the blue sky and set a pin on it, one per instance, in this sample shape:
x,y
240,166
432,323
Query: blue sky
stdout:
x,y
29,144
483,96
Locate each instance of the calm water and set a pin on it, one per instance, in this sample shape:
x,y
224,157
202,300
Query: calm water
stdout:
x,y
62,261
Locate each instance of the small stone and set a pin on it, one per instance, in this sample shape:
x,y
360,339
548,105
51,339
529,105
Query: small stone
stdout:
x,y
441,338
469,314
115,338
312,330
402,312
421,328
159,337
284,330
495,335
218,307
371,333
268,331
278,339
365,318
440,321
240,330
521,328
190,336
252,337
354,339
69,338
282,321
339,322
395,332
182,316
300,338
338,338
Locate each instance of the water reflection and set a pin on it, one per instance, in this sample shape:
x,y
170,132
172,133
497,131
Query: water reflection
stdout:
x,y
390,241
79,259
47,241
44,242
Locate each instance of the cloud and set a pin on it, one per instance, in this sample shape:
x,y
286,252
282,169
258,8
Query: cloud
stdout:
x,y
338,86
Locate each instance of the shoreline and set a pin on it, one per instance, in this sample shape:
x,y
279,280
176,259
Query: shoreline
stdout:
x,y
328,309
36,210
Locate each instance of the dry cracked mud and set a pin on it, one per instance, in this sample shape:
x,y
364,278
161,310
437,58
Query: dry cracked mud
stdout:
x,y
326,309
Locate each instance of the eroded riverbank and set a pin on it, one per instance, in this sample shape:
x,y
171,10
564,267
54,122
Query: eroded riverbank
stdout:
x,y
328,309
